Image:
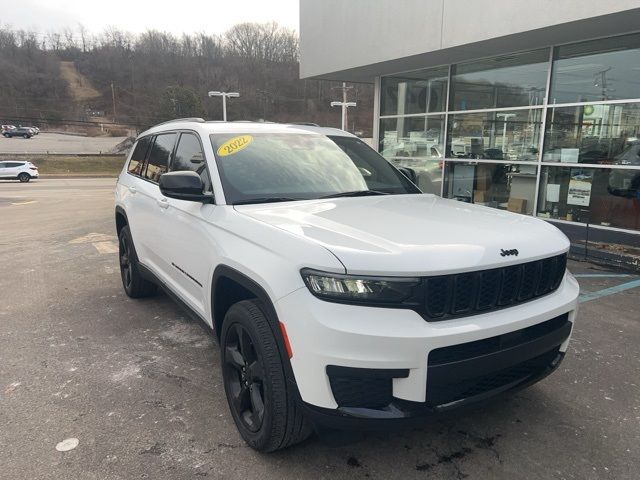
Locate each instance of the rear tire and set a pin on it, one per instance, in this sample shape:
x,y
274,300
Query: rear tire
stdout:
x,y
24,177
260,399
26,136
135,286
6,135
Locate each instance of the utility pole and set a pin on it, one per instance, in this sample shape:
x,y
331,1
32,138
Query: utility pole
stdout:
x,y
265,98
113,99
505,118
344,104
224,96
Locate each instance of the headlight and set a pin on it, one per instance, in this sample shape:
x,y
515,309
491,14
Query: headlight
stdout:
x,y
357,289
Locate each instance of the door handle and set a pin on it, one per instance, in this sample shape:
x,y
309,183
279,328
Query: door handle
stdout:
x,y
163,202
132,189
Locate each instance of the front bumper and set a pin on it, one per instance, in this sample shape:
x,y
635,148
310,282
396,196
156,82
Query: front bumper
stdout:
x,y
324,334
402,413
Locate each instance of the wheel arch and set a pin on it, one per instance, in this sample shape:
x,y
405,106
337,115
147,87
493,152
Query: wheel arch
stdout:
x,y
121,219
230,286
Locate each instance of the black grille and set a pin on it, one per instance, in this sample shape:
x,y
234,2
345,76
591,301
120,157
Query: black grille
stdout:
x,y
441,393
469,350
465,294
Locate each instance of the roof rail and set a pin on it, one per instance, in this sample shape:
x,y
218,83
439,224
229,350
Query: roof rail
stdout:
x,y
305,124
188,119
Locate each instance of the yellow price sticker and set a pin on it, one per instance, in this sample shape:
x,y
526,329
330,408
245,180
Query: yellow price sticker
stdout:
x,y
234,145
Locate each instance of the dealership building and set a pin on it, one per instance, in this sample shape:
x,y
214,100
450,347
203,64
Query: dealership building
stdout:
x,y
531,107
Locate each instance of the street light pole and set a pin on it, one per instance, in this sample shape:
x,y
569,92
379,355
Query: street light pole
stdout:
x,y
224,96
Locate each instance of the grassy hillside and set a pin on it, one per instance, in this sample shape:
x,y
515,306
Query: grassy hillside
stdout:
x,y
140,80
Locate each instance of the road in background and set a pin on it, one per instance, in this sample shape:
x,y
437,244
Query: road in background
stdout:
x,y
138,382
59,143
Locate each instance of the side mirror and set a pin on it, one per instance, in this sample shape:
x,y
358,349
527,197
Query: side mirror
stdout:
x,y
410,173
184,185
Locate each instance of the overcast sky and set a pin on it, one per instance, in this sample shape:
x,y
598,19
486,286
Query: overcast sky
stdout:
x,y
210,16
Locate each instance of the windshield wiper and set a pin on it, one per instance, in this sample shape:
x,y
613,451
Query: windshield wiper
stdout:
x,y
266,200
356,193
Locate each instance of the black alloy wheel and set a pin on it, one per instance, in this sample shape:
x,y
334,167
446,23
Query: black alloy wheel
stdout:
x,y
135,285
262,403
24,177
245,377
126,266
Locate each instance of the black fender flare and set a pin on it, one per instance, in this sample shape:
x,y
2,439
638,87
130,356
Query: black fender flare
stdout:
x,y
225,271
120,211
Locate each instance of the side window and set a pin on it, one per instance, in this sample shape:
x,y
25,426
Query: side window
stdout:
x,y
189,156
3,165
12,165
159,157
136,163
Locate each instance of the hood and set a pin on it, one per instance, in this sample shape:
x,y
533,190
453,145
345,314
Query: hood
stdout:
x,y
413,234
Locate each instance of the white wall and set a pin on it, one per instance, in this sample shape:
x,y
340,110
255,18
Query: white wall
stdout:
x,y
339,38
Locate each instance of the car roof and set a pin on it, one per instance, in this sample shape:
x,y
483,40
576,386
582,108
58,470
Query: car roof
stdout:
x,y
240,127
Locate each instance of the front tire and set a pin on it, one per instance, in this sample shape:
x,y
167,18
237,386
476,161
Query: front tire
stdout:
x,y
24,177
135,286
26,136
261,402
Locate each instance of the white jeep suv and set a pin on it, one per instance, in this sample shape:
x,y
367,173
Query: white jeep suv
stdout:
x,y
342,296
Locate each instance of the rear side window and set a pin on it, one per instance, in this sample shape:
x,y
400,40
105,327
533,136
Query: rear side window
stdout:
x,y
190,157
13,164
136,163
158,162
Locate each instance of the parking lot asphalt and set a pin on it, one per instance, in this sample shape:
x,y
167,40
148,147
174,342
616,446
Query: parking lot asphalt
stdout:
x,y
138,382
59,143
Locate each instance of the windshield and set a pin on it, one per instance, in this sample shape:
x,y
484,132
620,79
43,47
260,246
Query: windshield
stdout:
x,y
262,167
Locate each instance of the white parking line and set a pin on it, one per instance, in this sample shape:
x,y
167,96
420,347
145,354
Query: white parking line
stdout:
x,y
92,238
106,247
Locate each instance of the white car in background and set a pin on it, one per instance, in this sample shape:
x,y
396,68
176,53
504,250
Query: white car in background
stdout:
x,y
18,170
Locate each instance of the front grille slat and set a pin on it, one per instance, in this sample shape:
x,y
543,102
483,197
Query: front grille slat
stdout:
x,y
450,296
463,293
510,281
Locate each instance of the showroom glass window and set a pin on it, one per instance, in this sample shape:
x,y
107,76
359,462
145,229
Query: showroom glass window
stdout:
x,y
495,135
604,69
595,134
499,185
423,91
598,196
416,143
505,81
573,158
